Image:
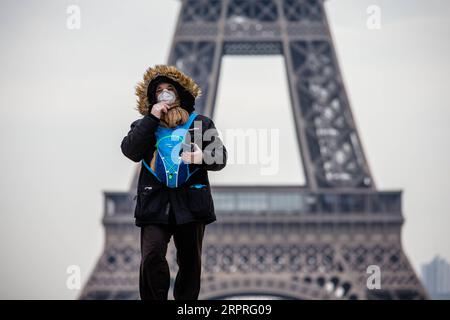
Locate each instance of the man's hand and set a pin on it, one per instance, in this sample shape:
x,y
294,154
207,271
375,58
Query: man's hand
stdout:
x,y
160,107
195,157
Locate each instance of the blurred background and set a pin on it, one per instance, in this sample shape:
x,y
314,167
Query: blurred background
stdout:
x,y
67,100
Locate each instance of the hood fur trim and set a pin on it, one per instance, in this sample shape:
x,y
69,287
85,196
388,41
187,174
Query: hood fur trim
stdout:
x,y
143,105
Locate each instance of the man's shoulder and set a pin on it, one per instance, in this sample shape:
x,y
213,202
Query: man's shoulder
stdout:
x,y
206,121
148,118
201,117
135,122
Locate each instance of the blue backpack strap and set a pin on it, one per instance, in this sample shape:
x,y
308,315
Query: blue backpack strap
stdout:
x,y
151,170
191,173
188,124
191,119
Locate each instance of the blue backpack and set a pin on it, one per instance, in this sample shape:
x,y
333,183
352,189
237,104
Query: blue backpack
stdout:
x,y
169,168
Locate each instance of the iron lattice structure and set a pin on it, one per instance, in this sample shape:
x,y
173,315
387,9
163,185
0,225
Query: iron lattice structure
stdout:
x,y
314,241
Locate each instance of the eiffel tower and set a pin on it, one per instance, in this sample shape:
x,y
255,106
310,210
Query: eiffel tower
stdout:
x,y
320,240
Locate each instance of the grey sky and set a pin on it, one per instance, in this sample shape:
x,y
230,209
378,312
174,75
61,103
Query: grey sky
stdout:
x,y
67,99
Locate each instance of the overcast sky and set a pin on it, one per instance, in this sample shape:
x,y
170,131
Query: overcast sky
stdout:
x,y
67,99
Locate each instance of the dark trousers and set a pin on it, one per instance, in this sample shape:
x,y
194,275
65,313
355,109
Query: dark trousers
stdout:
x,y
154,275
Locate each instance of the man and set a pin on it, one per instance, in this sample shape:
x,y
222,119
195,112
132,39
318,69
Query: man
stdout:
x,y
166,99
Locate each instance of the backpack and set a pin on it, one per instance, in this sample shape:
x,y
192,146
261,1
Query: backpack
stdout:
x,y
169,168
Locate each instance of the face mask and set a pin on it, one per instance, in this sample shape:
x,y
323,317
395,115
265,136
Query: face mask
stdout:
x,y
166,96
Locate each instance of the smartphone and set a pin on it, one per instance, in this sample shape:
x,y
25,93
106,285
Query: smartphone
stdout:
x,y
187,147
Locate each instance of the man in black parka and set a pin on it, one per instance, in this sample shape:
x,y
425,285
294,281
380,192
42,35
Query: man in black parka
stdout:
x,y
161,211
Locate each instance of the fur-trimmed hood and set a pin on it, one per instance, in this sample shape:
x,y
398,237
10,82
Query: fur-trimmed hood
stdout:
x,y
186,87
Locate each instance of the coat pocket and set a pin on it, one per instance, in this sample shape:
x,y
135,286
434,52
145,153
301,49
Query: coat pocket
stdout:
x,y
200,200
148,202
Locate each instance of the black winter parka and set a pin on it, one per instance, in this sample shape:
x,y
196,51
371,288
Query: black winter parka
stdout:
x,y
152,197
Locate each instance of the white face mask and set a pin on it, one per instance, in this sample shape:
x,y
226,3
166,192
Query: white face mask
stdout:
x,y
166,96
